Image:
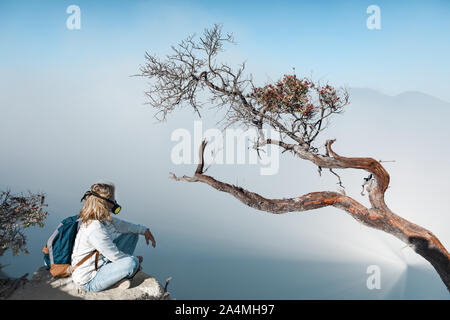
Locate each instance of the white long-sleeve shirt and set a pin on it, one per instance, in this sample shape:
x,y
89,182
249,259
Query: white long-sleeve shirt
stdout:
x,y
99,236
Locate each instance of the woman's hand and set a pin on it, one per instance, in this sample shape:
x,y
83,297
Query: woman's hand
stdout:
x,y
149,237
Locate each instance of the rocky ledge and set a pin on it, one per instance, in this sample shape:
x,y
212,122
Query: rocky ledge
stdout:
x,y
43,286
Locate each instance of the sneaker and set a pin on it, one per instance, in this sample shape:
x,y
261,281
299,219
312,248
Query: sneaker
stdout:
x,y
123,284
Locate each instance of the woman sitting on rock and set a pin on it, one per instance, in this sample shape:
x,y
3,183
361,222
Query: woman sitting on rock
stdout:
x,y
106,243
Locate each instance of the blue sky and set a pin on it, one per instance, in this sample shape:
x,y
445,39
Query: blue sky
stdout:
x,y
73,116
326,39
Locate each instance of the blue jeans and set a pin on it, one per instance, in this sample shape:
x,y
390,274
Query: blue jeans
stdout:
x,y
112,272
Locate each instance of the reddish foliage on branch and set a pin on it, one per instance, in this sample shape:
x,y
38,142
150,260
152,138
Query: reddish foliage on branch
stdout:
x,y
289,94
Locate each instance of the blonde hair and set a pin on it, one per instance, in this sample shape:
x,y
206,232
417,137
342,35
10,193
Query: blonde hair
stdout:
x,y
95,208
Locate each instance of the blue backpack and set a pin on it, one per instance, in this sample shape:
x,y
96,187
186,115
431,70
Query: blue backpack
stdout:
x,y
58,250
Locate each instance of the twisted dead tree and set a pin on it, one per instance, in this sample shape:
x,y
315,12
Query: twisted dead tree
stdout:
x,y
299,109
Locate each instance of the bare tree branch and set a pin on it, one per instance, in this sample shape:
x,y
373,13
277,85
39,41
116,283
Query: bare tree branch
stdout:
x,y
420,239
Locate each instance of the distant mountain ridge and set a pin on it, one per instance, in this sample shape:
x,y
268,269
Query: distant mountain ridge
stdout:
x,y
358,94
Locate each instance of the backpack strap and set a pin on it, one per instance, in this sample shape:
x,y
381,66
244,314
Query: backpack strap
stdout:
x,y
86,258
96,259
79,220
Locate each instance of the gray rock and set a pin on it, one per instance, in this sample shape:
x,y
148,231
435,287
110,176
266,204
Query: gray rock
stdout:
x,y
43,286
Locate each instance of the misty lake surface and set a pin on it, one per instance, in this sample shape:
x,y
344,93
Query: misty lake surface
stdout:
x,y
202,270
